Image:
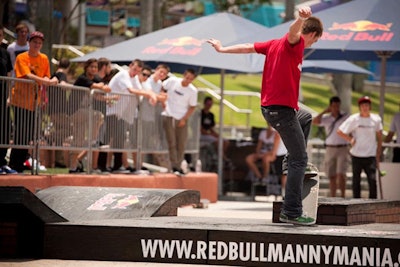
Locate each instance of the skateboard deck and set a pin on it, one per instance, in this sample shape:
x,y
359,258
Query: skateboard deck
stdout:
x,y
310,195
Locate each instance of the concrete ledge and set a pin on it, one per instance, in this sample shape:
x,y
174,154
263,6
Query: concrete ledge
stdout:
x,y
220,241
206,183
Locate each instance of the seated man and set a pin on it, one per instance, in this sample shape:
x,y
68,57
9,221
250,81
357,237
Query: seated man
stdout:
x,y
268,145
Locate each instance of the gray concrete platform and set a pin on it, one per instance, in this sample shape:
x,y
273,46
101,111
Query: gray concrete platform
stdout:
x,y
260,210
250,222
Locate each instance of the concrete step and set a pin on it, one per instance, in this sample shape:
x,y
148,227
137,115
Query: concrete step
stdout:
x,y
324,186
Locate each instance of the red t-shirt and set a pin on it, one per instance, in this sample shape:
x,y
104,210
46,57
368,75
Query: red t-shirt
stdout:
x,y
281,74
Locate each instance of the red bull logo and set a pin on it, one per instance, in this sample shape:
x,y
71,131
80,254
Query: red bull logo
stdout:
x,y
114,201
182,46
361,26
361,30
182,41
122,204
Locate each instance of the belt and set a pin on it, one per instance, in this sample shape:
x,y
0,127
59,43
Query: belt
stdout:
x,y
277,107
336,145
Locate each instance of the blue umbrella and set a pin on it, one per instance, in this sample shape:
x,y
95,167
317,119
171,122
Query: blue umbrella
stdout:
x,y
361,30
185,44
333,66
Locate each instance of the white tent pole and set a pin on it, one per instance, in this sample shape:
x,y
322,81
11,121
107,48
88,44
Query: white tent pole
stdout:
x,y
220,138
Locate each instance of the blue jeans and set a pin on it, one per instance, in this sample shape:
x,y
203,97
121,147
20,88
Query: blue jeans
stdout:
x,y
293,127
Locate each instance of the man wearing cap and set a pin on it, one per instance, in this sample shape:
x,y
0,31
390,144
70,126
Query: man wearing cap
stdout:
x,y
363,131
32,65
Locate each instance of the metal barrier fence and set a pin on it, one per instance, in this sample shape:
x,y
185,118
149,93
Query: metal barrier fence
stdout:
x,y
20,100
75,119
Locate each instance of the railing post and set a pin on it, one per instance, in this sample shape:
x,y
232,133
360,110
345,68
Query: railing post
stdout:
x,y
90,132
36,134
138,160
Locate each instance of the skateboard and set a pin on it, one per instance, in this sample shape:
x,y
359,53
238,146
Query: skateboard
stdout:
x,y
310,194
381,174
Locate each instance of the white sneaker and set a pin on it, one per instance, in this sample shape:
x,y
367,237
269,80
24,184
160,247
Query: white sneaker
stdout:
x,y
7,170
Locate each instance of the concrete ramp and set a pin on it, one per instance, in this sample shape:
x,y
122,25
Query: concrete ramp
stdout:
x,y
79,203
17,200
24,215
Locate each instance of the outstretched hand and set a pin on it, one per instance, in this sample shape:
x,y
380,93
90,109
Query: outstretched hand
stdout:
x,y
215,43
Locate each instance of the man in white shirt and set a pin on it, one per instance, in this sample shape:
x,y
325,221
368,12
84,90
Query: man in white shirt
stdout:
x,y
180,105
337,149
125,109
154,139
363,131
20,45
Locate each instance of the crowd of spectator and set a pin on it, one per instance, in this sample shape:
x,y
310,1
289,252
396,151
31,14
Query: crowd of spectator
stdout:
x,y
174,99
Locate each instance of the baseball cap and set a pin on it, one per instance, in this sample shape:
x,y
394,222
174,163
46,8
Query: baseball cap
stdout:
x,y
36,34
364,99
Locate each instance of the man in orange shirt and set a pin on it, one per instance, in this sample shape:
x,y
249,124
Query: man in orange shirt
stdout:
x,y
32,65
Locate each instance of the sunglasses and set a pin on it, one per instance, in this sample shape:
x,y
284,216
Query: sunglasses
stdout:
x,y
146,74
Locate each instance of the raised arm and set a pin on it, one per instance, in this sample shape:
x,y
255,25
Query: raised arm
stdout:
x,y
234,49
296,26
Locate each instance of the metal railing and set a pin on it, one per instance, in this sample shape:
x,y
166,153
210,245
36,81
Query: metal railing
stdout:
x,y
74,119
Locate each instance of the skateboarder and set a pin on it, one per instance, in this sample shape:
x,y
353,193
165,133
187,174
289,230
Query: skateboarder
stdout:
x,y
279,100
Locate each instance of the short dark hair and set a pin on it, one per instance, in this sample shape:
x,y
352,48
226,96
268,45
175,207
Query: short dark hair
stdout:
x,y
163,66
192,71
21,26
207,98
313,24
88,63
64,63
147,67
334,99
103,61
138,62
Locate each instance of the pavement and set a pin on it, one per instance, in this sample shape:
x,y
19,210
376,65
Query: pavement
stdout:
x,y
261,209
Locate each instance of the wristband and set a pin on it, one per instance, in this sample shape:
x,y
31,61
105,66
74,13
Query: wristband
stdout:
x,y
303,19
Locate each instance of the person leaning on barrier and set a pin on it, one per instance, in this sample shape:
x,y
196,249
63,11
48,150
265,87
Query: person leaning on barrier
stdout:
x,y
32,65
124,110
100,100
57,116
395,129
337,149
5,70
79,109
139,82
151,115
